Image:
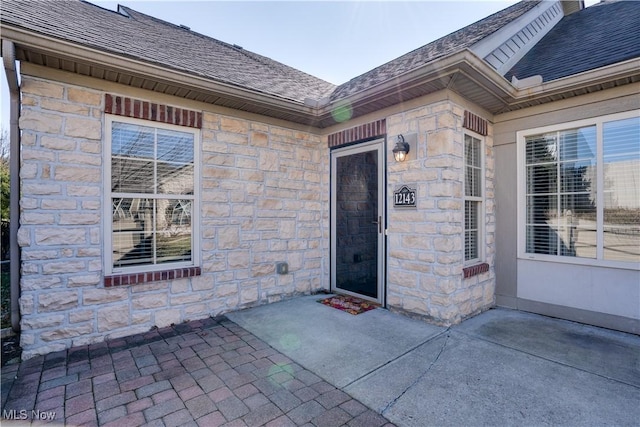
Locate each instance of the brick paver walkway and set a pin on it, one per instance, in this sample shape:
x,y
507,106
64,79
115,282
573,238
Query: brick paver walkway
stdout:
x,y
203,373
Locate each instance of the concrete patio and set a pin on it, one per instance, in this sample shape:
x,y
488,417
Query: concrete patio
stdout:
x,y
503,367
302,363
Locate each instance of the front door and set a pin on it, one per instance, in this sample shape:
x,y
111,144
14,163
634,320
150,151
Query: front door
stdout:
x,y
357,221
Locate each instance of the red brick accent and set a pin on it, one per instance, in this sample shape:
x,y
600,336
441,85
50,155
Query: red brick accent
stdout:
x,y
474,270
475,123
358,133
151,276
128,107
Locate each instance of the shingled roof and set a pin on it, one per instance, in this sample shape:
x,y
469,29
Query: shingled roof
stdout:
x,y
134,49
603,34
150,39
449,44
139,36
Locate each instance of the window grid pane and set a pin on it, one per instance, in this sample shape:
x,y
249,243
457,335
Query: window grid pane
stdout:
x,y
621,210
129,140
562,192
130,175
473,168
473,189
156,167
471,230
133,231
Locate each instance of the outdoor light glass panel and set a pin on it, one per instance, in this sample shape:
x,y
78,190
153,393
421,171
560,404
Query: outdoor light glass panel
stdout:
x,y
400,150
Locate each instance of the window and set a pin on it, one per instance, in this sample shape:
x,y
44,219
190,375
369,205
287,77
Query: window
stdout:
x,y
582,191
473,187
152,178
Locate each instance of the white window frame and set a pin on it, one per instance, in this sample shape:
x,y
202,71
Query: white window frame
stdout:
x,y
109,269
481,200
521,136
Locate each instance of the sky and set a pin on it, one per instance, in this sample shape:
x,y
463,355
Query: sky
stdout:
x,y
333,40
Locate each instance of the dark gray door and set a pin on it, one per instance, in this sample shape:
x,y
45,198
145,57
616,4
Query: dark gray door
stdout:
x,y
357,221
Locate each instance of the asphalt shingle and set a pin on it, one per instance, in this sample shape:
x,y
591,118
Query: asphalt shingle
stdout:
x,y
136,35
597,36
149,39
447,45
600,35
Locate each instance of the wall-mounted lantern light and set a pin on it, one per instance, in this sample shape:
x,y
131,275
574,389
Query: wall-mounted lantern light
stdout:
x,y
401,149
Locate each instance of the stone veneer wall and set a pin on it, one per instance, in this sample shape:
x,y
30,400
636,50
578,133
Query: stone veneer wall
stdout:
x,y
426,245
264,199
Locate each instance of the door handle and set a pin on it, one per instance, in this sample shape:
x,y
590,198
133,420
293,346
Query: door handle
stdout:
x,y
379,222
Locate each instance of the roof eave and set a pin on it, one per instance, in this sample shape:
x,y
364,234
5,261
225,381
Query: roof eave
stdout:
x,y
471,77
27,40
462,72
442,73
603,74
602,78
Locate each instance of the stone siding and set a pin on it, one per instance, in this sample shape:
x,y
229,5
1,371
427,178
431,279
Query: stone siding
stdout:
x,y
264,199
426,245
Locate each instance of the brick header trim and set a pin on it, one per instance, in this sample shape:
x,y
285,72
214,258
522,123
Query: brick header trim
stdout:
x,y
475,123
152,276
474,270
366,131
138,109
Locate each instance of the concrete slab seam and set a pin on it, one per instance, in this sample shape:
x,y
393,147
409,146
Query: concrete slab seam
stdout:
x,y
419,378
479,338
377,368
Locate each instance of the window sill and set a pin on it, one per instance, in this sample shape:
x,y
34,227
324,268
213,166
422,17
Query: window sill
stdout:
x,y
583,262
474,270
151,276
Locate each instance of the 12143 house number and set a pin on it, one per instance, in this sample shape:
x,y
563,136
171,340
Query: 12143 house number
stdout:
x,y
404,197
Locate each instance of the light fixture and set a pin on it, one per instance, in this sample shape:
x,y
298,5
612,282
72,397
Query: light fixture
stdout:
x,y
401,149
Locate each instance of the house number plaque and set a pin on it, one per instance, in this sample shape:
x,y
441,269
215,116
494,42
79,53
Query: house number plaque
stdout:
x,y
404,197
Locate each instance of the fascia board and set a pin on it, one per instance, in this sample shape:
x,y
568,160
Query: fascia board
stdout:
x,y
624,69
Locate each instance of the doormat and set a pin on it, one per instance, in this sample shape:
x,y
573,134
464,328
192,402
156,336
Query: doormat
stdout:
x,y
351,305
